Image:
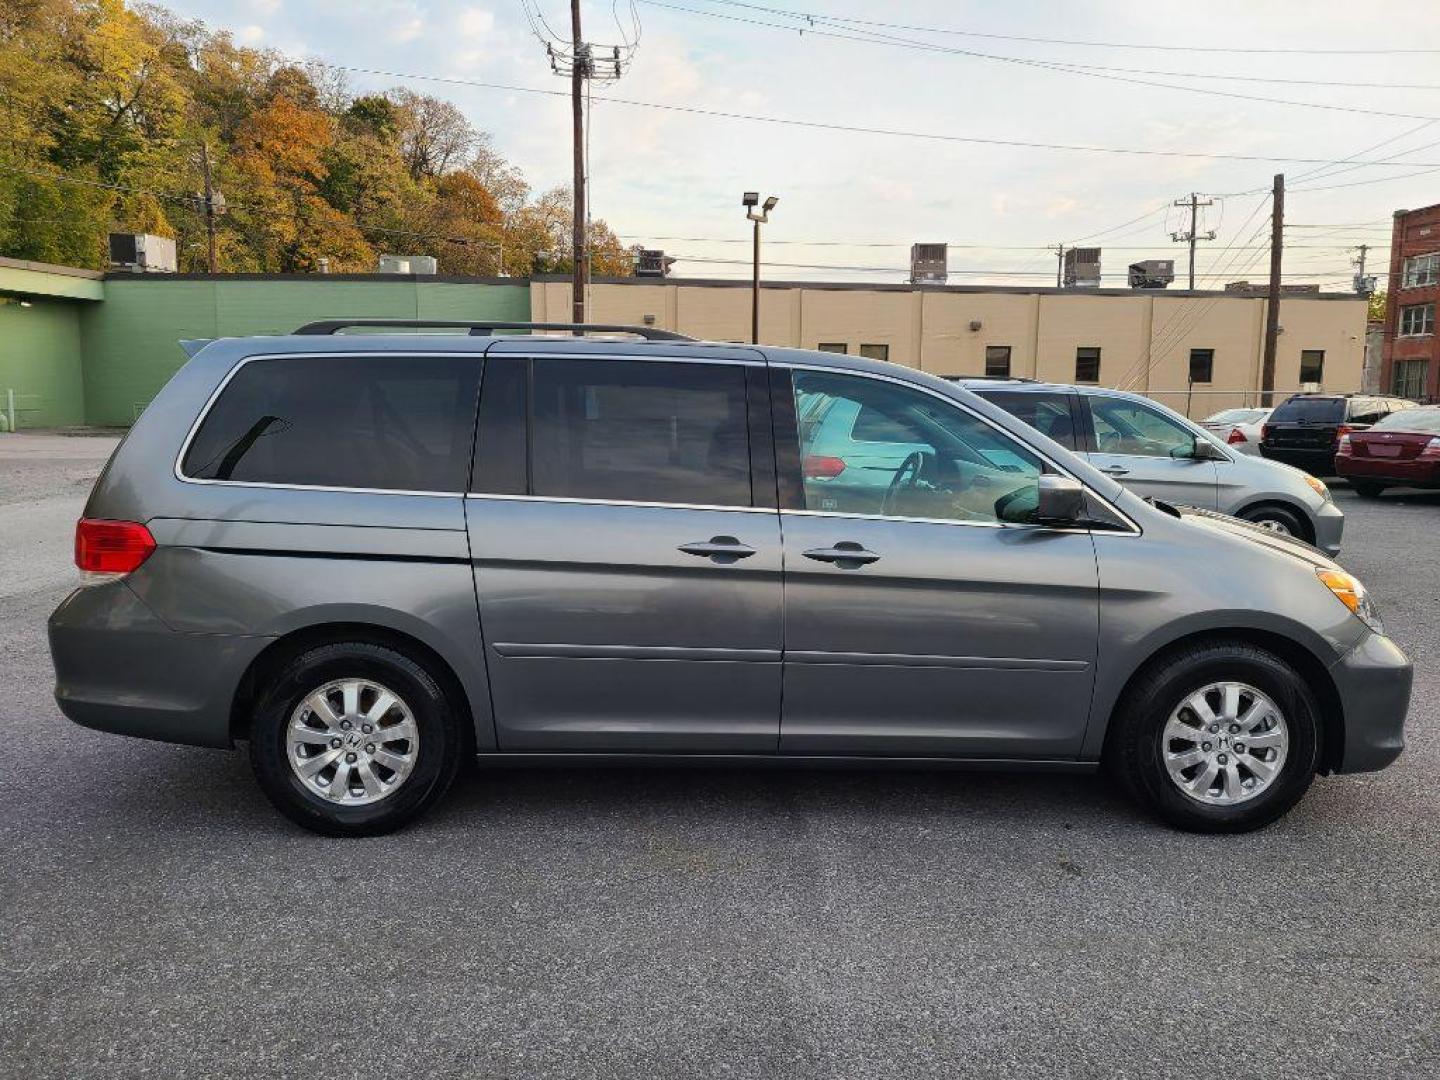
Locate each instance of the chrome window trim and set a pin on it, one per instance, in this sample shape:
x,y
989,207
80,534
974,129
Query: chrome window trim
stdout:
x,y
988,423
475,357
664,358
622,502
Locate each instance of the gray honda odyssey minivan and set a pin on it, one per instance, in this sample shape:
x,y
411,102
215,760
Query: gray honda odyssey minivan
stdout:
x,y
373,555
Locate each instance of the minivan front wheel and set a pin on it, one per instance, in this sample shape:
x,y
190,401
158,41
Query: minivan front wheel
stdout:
x,y
1276,519
1219,737
354,739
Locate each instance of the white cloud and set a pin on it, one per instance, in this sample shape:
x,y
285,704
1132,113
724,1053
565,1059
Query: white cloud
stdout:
x,y
476,22
250,35
409,30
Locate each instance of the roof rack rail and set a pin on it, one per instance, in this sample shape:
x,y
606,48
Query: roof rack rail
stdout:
x,y
485,329
989,378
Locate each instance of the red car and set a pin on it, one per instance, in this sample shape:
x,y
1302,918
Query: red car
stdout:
x,y
1399,450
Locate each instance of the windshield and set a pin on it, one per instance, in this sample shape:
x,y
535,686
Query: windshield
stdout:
x,y
1423,420
1310,410
1235,416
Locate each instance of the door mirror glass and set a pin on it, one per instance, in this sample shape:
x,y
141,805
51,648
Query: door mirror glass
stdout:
x,y
1199,450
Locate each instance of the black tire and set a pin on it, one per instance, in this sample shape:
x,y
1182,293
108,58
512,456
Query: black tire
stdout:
x,y
1134,747
1367,491
437,722
1286,519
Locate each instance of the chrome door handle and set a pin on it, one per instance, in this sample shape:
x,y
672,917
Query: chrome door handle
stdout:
x,y
722,549
1115,470
846,554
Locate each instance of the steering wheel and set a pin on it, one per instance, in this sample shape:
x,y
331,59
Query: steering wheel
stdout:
x,y
906,478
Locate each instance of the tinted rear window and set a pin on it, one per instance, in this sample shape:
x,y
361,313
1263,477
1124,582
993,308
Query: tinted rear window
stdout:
x,y
389,422
1311,410
1048,414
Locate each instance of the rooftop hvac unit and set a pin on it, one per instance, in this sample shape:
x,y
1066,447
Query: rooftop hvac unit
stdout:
x,y
1152,273
142,253
407,264
929,264
652,262
1082,268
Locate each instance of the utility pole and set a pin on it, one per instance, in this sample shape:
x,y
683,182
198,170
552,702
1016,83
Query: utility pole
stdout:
x,y
578,72
1363,285
209,208
1195,203
1272,302
1059,266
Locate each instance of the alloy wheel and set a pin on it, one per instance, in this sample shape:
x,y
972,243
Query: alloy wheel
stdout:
x,y
1225,743
352,742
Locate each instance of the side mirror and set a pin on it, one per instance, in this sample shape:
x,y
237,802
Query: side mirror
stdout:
x,y
1061,500
1199,450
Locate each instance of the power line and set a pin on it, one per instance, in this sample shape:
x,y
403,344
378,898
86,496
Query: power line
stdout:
x,y
819,125
1091,73
1086,44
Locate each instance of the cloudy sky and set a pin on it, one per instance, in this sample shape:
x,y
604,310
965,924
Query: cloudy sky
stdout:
x,y
851,203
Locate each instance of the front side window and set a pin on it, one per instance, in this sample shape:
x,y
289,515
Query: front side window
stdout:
x,y
1087,364
394,423
997,361
640,431
1312,365
1417,319
1128,427
878,448
1421,270
1202,365
1047,413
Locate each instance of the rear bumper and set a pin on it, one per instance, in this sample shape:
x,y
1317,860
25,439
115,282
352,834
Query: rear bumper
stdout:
x,y
1389,471
118,668
1374,684
1320,462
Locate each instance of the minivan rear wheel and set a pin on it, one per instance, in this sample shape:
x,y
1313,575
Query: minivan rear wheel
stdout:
x,y
354,739
1218,737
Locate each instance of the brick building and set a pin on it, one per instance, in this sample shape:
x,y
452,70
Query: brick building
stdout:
x,y
1412,350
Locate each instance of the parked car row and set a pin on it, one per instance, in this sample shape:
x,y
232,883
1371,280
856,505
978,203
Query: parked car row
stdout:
x,y
372,556
1239,428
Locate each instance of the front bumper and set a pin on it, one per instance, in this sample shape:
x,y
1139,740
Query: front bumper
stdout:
x,y
118,668
1374,683
1329,524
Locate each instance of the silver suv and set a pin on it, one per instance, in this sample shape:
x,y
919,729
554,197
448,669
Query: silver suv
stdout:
x,y
1158,453
372,556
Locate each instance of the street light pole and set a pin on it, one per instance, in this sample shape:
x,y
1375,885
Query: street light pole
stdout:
x,y
750,200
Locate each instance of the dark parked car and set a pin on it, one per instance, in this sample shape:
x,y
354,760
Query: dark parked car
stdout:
x,y
374,556
1400,450
1305,429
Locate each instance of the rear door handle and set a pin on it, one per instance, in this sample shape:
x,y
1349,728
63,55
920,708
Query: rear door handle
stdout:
x,y
846,554
1115,470
722,549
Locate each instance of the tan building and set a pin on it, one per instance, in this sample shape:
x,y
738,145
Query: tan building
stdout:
x,y
1150,341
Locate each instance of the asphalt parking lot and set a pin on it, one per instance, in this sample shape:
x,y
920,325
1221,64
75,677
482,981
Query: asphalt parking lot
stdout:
x,y
162,920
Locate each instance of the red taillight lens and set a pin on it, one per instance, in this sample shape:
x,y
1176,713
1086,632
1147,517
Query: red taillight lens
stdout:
x,y
1342,431
1236,436
1432,449
1265,433
111,547
1344,448
822,467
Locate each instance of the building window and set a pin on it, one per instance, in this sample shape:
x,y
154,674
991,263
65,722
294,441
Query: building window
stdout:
x,y
1417,319
1312,365
997,361
1087,364
1202,365
1409,378
1421,270
875,352
834,346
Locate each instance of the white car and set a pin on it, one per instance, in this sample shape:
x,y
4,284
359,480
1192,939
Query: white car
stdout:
x,y
1240,428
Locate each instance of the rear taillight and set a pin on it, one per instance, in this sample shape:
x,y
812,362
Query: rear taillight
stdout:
x,y
822,467
1236,436
111,547
1342,432
1343,448
1265,433
1432,449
